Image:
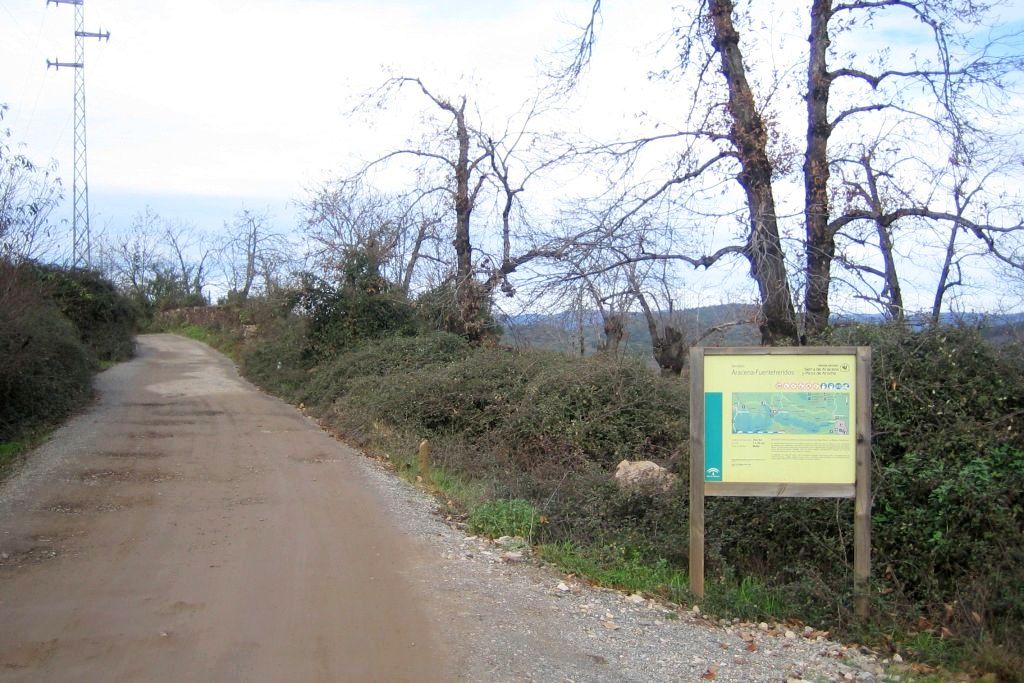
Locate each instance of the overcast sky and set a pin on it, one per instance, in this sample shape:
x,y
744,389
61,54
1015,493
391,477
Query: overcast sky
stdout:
x,y
198,108
247,100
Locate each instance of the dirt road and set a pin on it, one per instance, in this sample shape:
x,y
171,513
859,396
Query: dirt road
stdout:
x,y
190,528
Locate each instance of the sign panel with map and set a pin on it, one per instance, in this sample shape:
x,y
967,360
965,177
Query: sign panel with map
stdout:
x,y
780,418
782,422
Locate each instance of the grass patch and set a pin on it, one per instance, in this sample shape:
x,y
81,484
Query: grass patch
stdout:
x,y
748,599
14,449
498,518
9,453
225,343
466,495
459,493
624,570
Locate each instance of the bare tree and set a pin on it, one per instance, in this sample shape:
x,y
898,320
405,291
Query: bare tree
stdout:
x,y
191,253
253,256
471,169
132,258
614,302
28,195
344,216
960,209
734,127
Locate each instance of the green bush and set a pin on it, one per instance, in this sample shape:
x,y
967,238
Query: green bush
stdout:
x,y
381,357
56,325
440,309
948,416
543,409
276,359
104,318
45,373
360,305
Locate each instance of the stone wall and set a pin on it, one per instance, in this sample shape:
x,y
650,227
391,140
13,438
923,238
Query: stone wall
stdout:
x,y
217,317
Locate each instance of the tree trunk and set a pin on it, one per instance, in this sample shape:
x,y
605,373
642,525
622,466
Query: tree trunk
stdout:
x,y
250,260
410,267
671,351
891,291
945,284
467,295
820,246
463,202
614,326
668,344
764,248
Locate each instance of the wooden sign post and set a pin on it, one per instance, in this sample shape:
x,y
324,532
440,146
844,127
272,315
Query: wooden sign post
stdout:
x,y
782,422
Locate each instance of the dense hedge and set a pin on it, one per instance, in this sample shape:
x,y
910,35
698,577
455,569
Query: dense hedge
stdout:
x,y
948,416
948,457
105,318
45,373
56,326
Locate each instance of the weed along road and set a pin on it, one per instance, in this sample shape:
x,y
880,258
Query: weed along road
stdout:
x,y
190,528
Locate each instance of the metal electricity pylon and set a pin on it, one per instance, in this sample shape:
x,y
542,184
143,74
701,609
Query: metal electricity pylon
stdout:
x,y
80,235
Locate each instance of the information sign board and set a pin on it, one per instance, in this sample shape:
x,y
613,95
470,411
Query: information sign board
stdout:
x,y
780,419
781,422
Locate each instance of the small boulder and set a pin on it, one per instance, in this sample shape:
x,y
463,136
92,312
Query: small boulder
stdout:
x,y
512,542
643,476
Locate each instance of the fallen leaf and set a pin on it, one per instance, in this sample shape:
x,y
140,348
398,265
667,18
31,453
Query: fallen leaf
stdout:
x,y
751,646
712,673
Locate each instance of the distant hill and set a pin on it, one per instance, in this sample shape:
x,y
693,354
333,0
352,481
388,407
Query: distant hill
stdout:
x,y
561,331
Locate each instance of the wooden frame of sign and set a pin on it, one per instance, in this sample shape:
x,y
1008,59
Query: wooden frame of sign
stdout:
x,y
859,489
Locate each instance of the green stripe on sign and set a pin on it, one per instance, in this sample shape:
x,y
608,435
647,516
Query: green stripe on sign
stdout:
x,y
713,436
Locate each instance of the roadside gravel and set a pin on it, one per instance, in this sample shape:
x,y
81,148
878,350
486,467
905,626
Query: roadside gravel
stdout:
x,y
528,622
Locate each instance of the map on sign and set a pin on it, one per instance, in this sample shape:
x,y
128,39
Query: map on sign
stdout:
x,y
780,418
791,413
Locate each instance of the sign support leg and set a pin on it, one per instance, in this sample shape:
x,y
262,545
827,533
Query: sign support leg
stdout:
x,y
862,499
697,472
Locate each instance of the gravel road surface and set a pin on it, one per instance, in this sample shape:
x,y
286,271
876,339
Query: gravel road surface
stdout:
x,y
190,528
